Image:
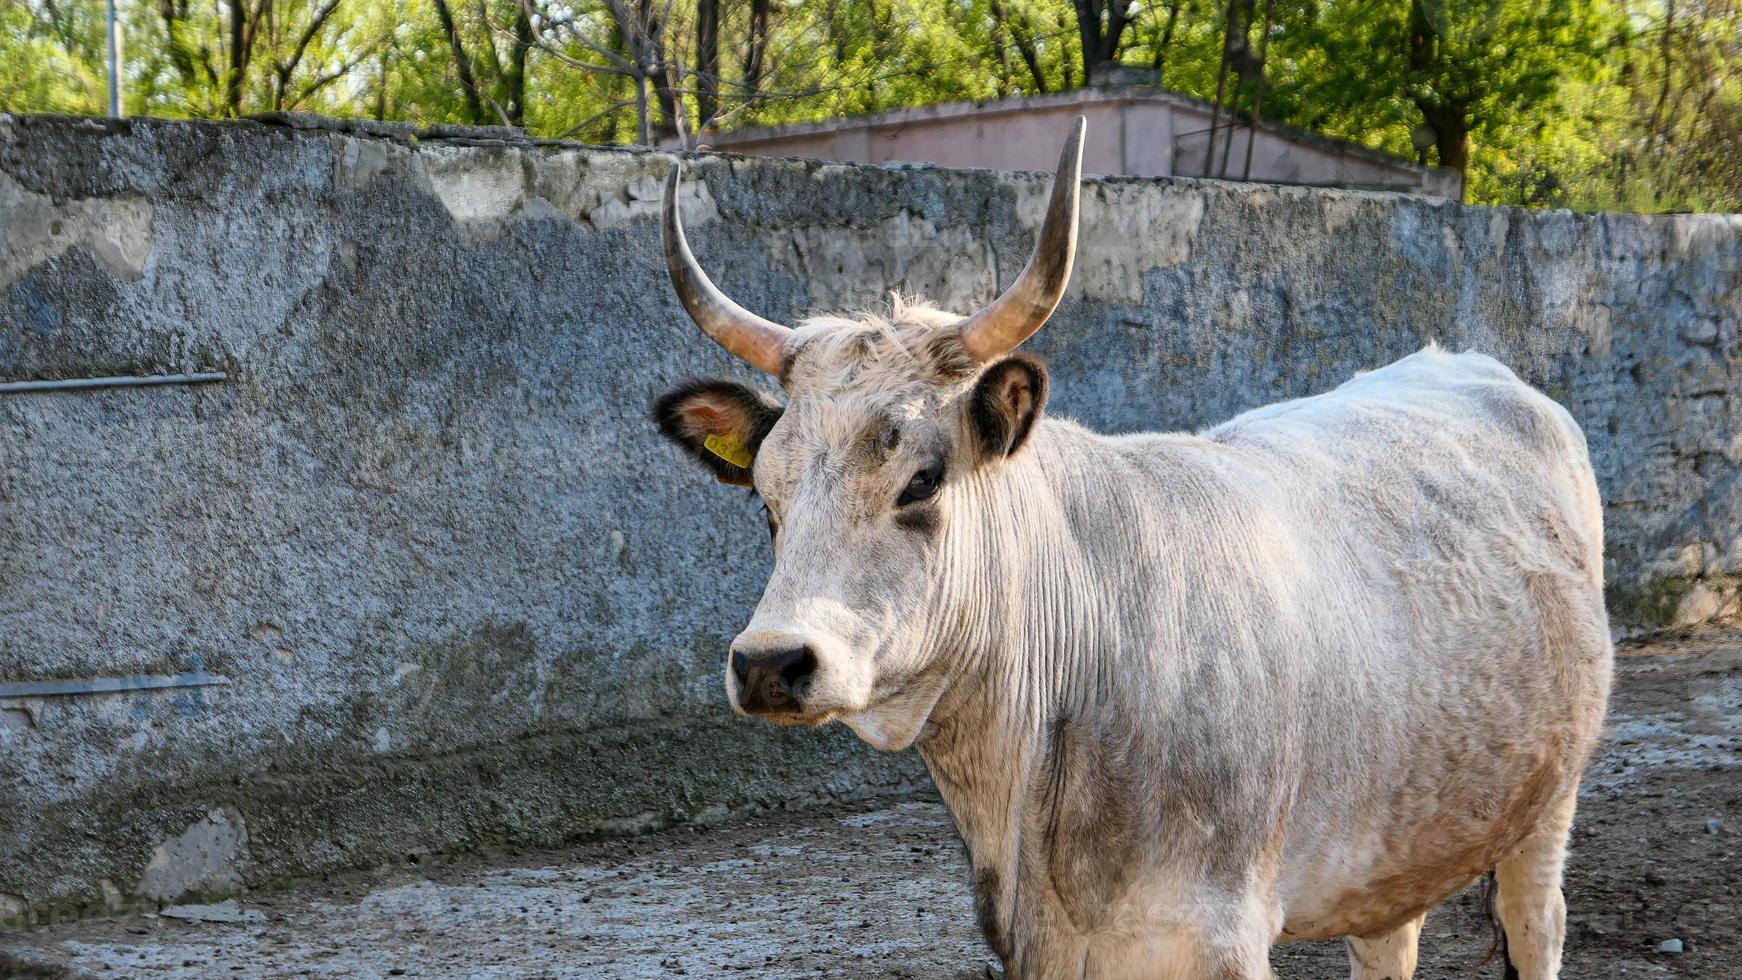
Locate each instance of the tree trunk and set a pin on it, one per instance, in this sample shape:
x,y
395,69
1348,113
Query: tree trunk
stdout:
x,y
175,33
1450,121
643,135
287,68
1236,55
238,56
1660,124
707,61
758,44
1024,45
1453,146
381,92
523,40
468,86
1451,127
1100,41
1221,91
1160,61
652,64
667,100
1258,86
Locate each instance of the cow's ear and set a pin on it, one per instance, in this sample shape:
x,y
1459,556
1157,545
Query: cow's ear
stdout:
x,y
721,423
1006,403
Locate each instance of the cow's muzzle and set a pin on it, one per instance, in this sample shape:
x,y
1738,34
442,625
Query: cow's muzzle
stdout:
x,y
773,682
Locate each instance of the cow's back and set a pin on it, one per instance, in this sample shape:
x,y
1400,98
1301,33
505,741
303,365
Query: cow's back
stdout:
x,y
1447,609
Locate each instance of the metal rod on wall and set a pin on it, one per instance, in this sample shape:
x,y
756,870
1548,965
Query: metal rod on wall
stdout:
x,y
124,381
108,685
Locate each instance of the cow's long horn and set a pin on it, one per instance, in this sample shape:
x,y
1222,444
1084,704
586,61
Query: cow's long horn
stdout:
x,y
1015,316
744,334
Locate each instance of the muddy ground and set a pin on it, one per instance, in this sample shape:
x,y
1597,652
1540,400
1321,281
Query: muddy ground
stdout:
x,y
883,893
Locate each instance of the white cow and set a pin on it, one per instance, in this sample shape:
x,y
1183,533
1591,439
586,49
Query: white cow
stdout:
x,y
1303,675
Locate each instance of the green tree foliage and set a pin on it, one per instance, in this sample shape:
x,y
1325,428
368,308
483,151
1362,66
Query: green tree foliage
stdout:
x,y
1661,131
50,56
1456,68
1632,104
238,56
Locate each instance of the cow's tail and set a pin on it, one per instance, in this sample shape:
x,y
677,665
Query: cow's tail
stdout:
x,y
1490,907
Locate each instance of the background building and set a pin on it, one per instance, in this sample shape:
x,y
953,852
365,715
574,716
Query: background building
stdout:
x,y
1135,130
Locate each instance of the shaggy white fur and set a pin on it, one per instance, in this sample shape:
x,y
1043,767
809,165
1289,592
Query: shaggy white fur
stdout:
x,y
1304,674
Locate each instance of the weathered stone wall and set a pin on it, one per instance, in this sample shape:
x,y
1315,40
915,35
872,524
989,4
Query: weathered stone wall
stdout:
x,y
461,592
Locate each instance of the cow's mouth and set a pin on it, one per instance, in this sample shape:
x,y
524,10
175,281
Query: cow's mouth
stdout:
x,y
794,718
781,707
789,716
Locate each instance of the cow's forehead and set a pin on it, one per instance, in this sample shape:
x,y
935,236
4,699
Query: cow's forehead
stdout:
x,y
873,423
877,359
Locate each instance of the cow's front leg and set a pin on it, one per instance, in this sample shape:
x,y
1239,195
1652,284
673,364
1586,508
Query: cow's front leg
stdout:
x,y
1225,944
1184,954
1386,955
1162,953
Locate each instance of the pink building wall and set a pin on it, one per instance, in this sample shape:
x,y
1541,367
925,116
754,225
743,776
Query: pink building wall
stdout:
x,y
1137,131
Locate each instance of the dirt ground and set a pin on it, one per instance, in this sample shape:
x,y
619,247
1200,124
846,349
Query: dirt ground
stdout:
x,y
883,892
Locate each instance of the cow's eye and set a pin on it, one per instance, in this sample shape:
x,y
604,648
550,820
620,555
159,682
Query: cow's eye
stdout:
x,y
922,486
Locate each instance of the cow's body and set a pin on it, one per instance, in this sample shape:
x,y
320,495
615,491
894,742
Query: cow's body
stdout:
x,y
1302,675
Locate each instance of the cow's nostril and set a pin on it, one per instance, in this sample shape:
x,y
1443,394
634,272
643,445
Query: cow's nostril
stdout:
x,y
774,680
797,668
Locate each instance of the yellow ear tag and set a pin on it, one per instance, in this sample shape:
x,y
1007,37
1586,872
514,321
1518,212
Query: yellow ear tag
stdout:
x,y
729,449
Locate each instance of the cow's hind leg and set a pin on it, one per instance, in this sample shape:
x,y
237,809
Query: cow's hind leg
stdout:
x,y
1386,955
1532,911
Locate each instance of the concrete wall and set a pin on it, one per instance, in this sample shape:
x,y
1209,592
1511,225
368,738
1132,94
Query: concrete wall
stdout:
x,y
462,593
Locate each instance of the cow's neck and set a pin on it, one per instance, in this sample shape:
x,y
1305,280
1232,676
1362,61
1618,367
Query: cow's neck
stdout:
x,y
1034,642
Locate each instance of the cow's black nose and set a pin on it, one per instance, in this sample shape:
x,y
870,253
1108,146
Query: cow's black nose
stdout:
x,y
773,680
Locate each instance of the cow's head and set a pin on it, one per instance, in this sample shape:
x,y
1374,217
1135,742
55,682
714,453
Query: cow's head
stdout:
x,y
878,475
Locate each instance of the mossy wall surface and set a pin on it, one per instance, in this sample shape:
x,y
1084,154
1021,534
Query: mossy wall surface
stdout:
x,y
462,593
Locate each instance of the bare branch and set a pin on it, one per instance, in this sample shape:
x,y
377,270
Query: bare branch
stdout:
x,y
322,80
288,68
595,117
